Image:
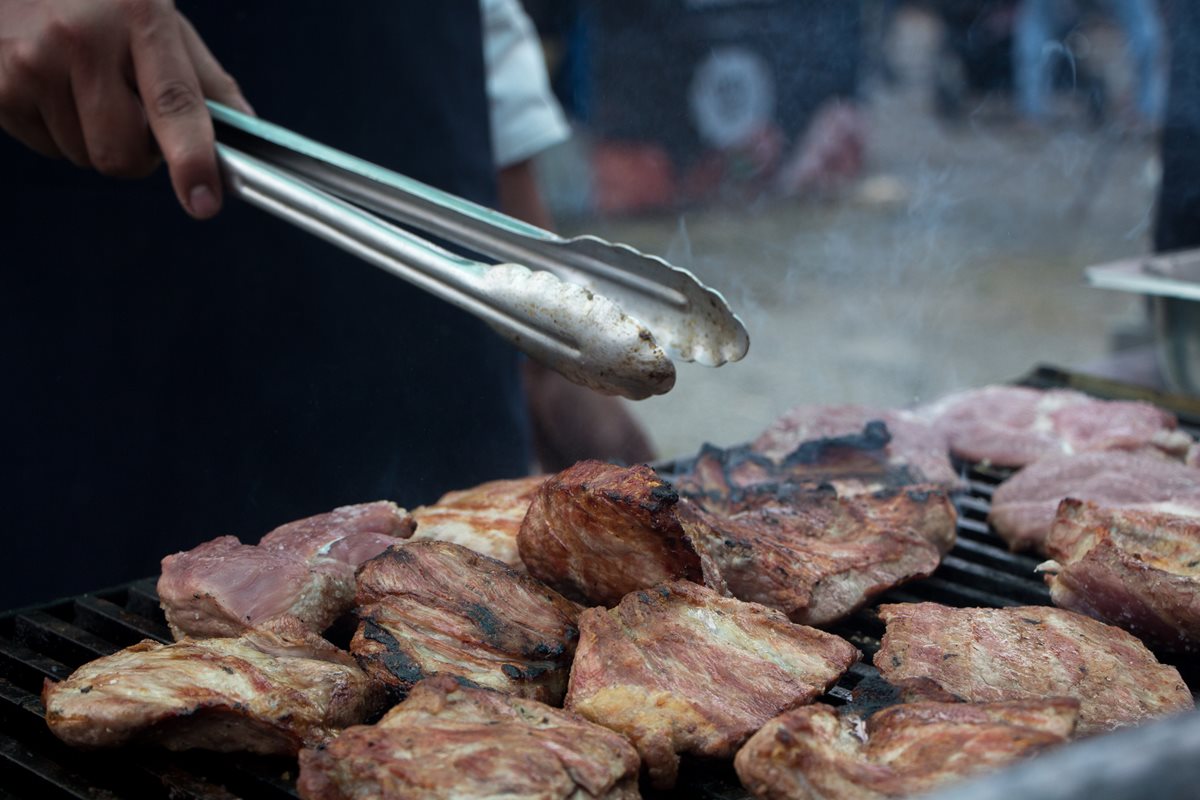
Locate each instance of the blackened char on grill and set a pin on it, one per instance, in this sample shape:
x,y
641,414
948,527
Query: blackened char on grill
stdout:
x,y
1023,506
485,518
450,740
680,669
304,569
818,557
596,532
817,753
270,691
987,655
428,608
914,443
1136,569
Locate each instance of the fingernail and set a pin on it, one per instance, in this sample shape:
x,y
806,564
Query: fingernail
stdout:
x,y
203,202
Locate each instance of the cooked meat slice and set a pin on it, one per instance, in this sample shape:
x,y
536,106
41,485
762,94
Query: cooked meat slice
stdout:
x,y
1136,569
815,753
914,443
268,692
1023,506
986,655
596,532
450,741
680,669
304,569
429,608
818,557
1012,426
485,518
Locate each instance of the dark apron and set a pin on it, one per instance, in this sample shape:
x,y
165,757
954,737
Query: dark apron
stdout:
x,y
168,381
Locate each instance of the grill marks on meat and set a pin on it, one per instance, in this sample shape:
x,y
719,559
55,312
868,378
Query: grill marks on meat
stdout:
x,y
818,557
680,669
914,443
1026,653
304,569
430,608
485,518
1023,507
1136,569
268,692
596,532
1013,426
814,753
451,740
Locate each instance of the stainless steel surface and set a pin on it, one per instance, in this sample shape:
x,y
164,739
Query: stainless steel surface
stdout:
x,y
1171,282
690,320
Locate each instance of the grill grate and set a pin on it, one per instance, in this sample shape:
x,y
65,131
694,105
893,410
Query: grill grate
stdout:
x,y
51,641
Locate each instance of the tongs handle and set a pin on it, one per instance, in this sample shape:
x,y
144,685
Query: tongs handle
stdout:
x,y
689,319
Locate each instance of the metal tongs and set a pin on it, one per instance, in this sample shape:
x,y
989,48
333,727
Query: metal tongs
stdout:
x,y
602,314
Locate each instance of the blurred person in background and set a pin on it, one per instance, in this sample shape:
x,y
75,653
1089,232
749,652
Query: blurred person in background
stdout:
x,y
167,383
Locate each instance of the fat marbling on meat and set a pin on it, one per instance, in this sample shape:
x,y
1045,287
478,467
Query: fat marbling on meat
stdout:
x,y
818,557
270,691
1023,507
1136,569
987,655
819,753
485,518
450,741
1012,426
428,608
596,532
304,569
679,669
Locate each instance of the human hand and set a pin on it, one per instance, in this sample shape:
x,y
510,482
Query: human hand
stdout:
x,y
115,85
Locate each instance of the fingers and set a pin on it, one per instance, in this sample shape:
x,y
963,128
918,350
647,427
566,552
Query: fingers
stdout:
x,y
216,83
30,129
174,106
113,124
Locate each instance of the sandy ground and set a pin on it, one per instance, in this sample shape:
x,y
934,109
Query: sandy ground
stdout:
x,y
955,261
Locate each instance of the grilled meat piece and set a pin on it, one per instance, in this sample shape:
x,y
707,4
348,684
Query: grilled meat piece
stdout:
x,y
303,569
428,608
485,518
914,443
1023,506
987,655
596,532
268,691
818,557
1012,426
450,741
1136,569
680,669
815,753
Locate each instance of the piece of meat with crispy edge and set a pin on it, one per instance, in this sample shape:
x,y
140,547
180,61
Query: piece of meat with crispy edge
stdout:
x,y
596,532
270,691
485,518
428,608
450,741
1030,652
680,669
819,753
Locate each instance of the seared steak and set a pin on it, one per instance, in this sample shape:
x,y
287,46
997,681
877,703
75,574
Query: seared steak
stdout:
x,y
450,741
818,557
987,655
485,518
680,669
1012,426
1136,569
429,608
268,692
304,569
1023,507
815,753
596,532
